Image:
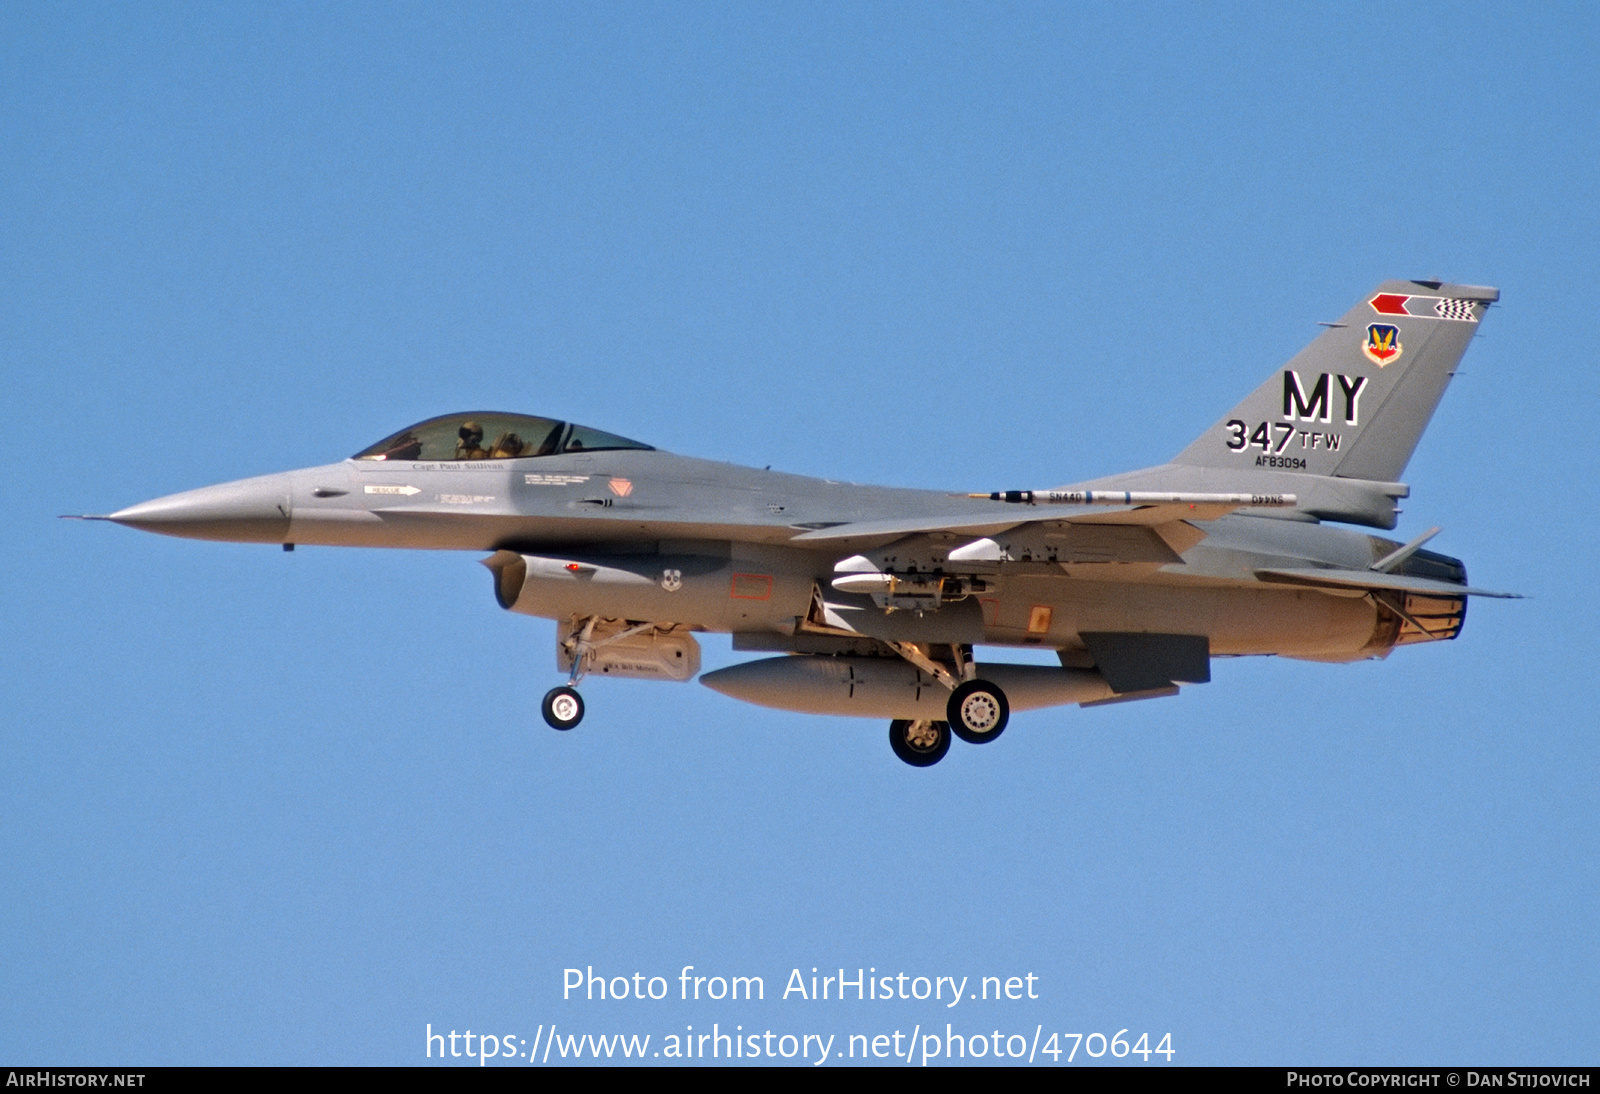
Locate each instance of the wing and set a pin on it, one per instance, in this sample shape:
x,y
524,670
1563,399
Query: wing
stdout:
x,y
865,532
1150,510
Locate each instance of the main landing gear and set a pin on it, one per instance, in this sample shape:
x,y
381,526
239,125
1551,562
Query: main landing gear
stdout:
x,y
976,711
919,743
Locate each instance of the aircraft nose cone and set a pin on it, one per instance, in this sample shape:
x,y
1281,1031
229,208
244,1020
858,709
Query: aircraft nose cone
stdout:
x,y
248,511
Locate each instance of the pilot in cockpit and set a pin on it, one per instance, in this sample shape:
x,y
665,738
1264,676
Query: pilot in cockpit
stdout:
x,y
509,446
470,446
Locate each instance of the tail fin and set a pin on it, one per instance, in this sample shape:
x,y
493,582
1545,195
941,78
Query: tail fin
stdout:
x,y
1354,403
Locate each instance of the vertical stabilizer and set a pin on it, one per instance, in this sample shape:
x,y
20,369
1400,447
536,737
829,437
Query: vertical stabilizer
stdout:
x,y
1354,403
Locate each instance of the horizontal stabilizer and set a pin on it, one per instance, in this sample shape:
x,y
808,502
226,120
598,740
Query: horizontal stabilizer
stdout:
x,y
1357,580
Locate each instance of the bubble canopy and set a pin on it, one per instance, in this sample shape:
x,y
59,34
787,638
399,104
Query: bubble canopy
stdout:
x,y
489,435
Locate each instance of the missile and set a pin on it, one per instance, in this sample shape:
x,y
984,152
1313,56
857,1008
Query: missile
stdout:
x,y
859,574
1136,497
885,687
865,583
926,585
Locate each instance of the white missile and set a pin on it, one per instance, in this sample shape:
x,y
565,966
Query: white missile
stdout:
x,y
865,583
1136,497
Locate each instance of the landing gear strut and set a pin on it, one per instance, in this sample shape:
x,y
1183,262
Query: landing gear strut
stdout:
x,y
920,743
977,709
583,644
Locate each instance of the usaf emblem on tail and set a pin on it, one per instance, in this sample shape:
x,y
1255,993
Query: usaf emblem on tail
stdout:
x,y
1383,343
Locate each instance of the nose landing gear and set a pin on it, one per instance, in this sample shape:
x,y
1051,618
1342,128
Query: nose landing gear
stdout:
x,y
562,707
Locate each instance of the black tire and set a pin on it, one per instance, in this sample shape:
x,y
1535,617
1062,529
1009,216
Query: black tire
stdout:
x,y
921,753
562,707
978,712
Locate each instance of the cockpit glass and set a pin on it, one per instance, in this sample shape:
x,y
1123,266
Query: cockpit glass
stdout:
x,y
491,436
583,439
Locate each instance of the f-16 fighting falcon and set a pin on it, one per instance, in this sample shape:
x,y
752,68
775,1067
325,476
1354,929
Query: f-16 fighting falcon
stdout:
x,y
869,600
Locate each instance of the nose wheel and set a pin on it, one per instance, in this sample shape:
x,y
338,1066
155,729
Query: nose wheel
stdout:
x,y
920,743
562,707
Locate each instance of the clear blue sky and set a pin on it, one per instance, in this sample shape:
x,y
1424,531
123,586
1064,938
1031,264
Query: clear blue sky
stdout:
x,y
258,807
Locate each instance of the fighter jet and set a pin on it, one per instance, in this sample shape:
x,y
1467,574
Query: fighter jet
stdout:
x,y
873,599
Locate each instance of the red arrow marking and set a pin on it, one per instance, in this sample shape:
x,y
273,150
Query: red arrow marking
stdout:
x,y
1389,303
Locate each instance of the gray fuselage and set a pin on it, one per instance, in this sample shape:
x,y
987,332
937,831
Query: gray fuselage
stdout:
x,y
733,533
